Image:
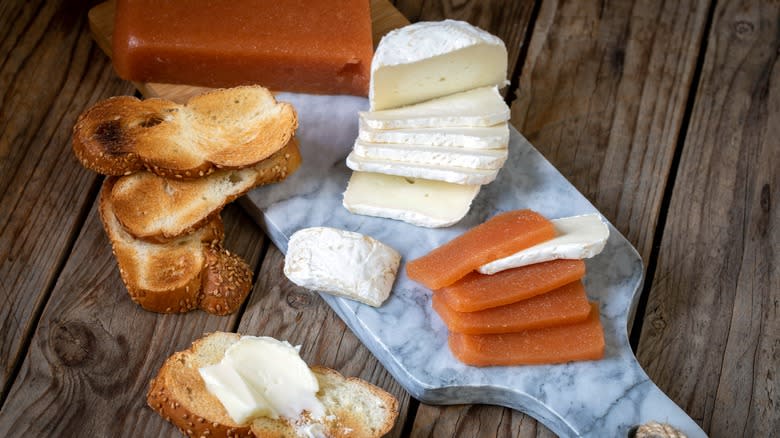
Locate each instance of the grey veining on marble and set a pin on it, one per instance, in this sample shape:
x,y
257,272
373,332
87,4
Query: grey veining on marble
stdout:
x,y
602,398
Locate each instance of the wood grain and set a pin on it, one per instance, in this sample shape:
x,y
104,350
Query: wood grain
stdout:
x,y
384,18
49,72
602,95
711,336
94,351
283,310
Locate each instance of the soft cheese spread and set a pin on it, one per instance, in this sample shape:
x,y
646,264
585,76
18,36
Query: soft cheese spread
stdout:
x,y
261,376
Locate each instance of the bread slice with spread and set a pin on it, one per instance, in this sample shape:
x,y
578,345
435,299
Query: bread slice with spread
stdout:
x,y
353,407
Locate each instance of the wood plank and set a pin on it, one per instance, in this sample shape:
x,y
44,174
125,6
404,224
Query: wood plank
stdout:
x,y
49,72
285,311
710,338
602,96
384,18
94,351
506,19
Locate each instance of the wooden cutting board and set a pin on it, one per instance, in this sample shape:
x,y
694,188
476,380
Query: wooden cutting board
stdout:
x,y
384,18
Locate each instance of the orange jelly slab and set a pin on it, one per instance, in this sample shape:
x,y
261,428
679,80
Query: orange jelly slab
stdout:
x,y
559,344
310,46
500,236
478,291
565,305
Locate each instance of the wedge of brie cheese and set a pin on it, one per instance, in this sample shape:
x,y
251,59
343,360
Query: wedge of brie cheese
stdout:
x,y
578,237
479,107
433,155
426,60
487,137
342,263
456,175
420,202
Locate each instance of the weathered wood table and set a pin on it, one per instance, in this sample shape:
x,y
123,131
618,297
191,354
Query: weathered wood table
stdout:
x,y
666,115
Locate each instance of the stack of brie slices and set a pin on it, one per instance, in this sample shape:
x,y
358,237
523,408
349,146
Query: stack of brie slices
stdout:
x,y
437,129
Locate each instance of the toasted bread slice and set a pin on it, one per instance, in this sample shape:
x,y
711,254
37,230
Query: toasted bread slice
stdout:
x,y
229,128
354,408
158,209
187,273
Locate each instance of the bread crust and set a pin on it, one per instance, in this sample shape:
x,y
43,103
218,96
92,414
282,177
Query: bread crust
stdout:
x,y
227,128
158,209
191,272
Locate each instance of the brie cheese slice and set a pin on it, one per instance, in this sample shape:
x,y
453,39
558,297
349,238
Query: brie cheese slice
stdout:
x,y
457,175
342,263
479,107
426,60
433,155
488,137
578,237
420,202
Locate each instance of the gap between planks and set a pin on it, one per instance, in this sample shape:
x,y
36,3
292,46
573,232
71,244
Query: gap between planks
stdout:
x,y
652,263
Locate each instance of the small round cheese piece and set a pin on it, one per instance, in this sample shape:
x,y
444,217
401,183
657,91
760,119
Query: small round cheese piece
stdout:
x,y
342,263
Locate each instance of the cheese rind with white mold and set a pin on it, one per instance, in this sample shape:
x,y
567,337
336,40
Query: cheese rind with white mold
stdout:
x,y
483,137
479,107
342,263
433,155
420,202
578,237
456,175
426,60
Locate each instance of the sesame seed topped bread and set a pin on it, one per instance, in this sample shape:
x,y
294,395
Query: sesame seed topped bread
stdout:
x,y
228,128
189,272
159,209
354,408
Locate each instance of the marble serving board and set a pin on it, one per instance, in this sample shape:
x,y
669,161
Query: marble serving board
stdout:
x,y
604,398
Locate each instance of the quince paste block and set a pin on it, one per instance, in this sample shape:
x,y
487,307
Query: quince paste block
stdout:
x,y
309,46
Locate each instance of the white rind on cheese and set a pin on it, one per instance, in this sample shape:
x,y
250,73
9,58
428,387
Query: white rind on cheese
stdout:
x,y
433,155
578,237
426,60
420,202
456,175
342,263
489,137
479,107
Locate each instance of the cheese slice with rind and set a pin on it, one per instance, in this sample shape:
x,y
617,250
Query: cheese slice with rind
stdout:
x,y
478,107
578,237
420,202
456,175
433,155
486,137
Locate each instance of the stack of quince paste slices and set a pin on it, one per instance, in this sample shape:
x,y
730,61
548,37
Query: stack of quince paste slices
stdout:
x,y
171,169
510,290
437,127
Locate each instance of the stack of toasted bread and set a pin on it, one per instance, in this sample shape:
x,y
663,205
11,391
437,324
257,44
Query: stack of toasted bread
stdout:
x,y
171,169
